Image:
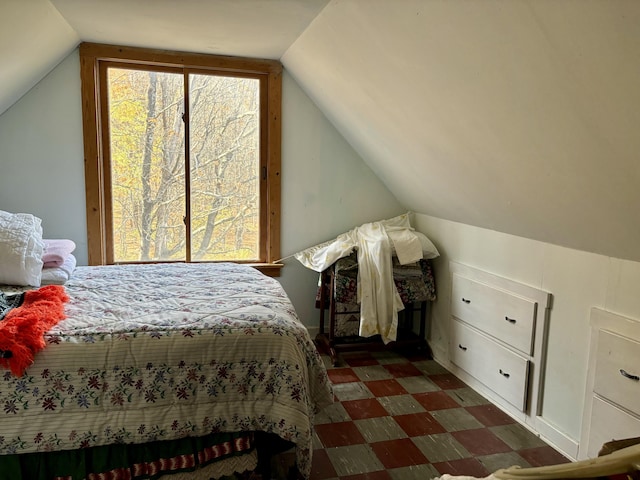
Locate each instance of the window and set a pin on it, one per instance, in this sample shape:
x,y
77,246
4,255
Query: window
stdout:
x,y
182,156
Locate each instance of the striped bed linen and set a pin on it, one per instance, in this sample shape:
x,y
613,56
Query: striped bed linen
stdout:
x,y
166,351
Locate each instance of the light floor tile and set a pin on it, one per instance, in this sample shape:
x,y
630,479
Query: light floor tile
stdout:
x,y
454,419
351,391
517,437
368,373
502,460
430,367
315,441
354,459
380,429
332,413
440,447
386,357
417,384
414,472
401,404
467,397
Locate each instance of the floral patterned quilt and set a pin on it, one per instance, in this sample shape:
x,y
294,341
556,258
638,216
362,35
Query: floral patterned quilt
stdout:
x,y
158,352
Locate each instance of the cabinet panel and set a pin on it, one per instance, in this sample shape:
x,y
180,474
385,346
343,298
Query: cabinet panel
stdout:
x,y
501,314
500,369
617,374
609,423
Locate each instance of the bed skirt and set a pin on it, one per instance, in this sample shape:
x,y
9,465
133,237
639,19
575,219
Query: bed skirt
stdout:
x,y
220,454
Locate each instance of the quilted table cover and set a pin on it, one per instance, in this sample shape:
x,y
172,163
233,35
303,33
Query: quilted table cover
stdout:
x,y
158,352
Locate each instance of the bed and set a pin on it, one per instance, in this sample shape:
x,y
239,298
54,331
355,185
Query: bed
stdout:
x,y
158,354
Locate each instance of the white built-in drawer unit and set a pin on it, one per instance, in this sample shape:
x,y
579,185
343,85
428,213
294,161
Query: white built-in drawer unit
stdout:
x,y
497,337
612,399
609,422
618,370
502,371
497,312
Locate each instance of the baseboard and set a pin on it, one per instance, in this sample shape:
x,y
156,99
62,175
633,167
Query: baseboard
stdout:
x,y
313,331
557,439
543,428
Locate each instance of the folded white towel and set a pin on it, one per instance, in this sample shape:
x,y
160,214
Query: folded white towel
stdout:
x,y
59,275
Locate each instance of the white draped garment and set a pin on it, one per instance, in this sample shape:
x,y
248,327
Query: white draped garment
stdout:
x,y
377,294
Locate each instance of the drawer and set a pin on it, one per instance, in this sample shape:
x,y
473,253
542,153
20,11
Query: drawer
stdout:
x,y
503,371
501,314
617,354
608,423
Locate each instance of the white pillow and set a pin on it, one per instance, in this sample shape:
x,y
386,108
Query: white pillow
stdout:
x,y
21,249
429,250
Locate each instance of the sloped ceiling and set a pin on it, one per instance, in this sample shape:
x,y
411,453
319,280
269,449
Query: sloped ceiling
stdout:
x,y
245,28
520,116
34,38
35,35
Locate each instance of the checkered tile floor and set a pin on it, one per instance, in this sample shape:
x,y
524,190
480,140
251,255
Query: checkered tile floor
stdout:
x,y
405,418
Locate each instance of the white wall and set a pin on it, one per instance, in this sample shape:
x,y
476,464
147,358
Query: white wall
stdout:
x,y
326,188
577,280
41,155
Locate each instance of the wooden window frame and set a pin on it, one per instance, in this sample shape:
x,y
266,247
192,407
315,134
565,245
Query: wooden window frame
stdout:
x,y
93,120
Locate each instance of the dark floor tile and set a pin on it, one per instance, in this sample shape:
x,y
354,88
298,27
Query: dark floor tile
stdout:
x,y
419,356
358,359
398,453
465,466
435,400
342,375
542,456
490,415
417,424
385,388
364,408
379,475
481,441
399,370
447,381
321,466
339,434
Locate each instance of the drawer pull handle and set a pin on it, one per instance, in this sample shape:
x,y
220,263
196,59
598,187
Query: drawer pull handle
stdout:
x,y
504,374
464,349
466,300
510,320
629,376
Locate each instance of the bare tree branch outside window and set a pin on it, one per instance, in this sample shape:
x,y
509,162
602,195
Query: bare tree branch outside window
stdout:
x,y
148,164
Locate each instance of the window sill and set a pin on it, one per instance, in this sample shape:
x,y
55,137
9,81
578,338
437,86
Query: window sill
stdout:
x,y
269,269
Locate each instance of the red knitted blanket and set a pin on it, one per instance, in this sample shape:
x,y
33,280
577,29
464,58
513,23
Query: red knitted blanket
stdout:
x,y
22,329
